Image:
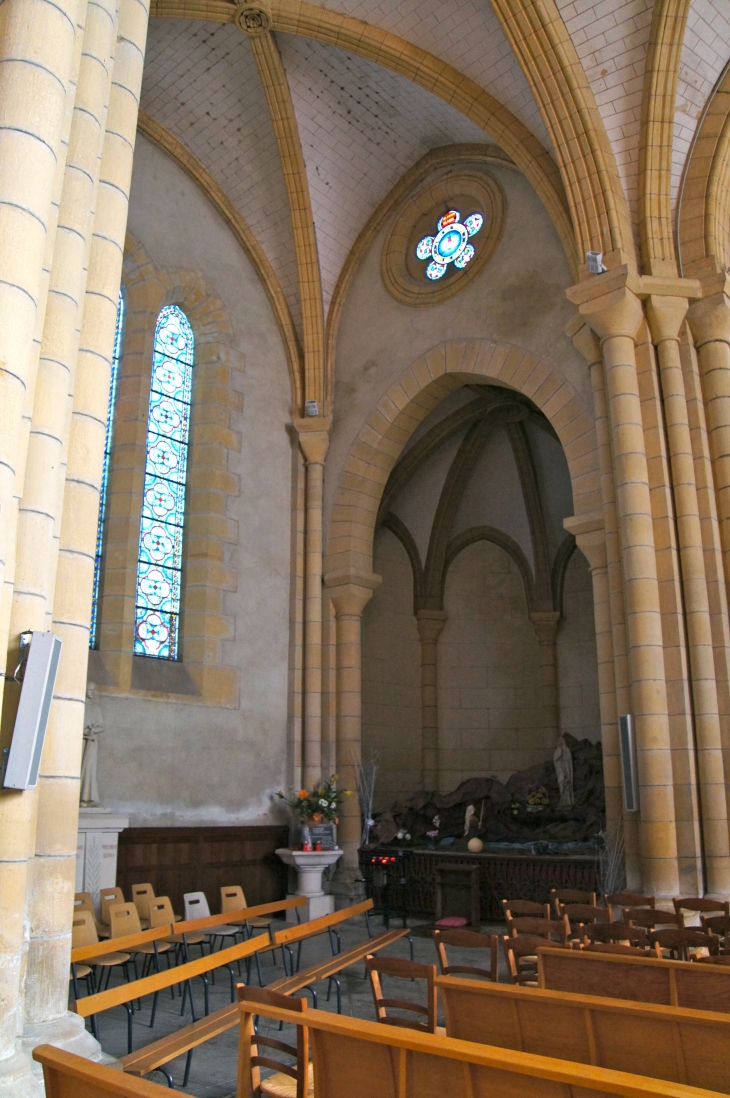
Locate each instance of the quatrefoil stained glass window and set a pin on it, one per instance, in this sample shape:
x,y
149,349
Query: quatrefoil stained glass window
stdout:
x,y
116,354
159,571
450,244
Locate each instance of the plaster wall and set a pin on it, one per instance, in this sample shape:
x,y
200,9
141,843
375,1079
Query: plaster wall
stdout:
x,y
168,761
519,298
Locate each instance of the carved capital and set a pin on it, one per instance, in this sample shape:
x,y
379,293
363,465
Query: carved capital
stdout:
x,y
585,340
609,303
430,623
590,537
666,316
546,625
314,446
709,319
253,19
351,591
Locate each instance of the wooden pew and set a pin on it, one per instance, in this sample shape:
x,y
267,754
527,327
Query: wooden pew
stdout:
x,y
642,979
158,1053
664,1042
69,1076
358,1059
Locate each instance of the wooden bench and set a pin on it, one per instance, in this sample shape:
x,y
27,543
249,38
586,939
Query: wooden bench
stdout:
x,y
641,979
69,1076
358,1059
154,1056
664,1042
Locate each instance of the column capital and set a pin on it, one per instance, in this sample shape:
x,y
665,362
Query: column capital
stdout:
x,y
609,303
314,439
546,625
665,315
709,318
584,339
430,623
590,537
351,591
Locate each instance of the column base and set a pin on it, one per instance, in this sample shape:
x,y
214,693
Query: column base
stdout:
x,y
314,907
347,886
18,1078
67,1032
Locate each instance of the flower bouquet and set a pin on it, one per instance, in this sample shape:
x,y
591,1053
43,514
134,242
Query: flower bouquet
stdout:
x,y
321,805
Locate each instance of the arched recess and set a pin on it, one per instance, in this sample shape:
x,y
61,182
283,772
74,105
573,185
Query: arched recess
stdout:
x,y
703,207
407,403
364,40
201,676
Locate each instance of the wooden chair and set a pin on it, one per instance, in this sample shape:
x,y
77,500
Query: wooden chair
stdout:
x,y
161,914
514,909
628,899
684,944
142,896
233,898
699,905
650,918
570,896
467,939
579,915
196,907
521,956
558,929
83,933
107,897
615,933
69,1076
125,921
617,947
84,902
718,925
290,1081
405,970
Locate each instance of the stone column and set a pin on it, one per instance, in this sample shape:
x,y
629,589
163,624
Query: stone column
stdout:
x,y
545,623
611,308
58,786
666,316
709,321
350,595
37,48
313,442
430,624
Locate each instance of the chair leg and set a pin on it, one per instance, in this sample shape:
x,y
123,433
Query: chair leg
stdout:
x,y
188,1062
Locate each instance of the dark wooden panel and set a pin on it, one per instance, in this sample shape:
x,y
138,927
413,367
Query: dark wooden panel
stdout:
x,y
176,860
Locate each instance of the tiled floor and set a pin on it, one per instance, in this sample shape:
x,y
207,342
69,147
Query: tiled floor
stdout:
x,y
213,1073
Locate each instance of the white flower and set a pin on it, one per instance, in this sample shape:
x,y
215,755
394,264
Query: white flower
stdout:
x,y
323,802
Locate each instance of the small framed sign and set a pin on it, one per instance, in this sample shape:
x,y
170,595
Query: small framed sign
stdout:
x,y
322,834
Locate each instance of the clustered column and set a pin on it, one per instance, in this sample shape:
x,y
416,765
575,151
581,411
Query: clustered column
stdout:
x,y
430,624
87,72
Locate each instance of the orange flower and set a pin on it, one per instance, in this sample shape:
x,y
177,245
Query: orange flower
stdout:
x,y
302,794
317,816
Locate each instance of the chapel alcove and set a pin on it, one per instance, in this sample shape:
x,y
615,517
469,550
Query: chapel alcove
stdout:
x,y
484,596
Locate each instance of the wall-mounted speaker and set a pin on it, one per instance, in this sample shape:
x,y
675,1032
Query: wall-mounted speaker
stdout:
x,y
627,745
31,720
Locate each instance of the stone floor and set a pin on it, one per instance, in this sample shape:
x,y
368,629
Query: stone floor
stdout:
x,y
213,1073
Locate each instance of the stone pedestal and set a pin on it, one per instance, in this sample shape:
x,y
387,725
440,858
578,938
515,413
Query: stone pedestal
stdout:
x,y
310,865
96,852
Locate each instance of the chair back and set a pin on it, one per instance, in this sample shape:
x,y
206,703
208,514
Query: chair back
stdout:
x,y
466,939
513,909
579,914
83,930
616,947
84,902
540,928
107,897
621,933
142,895
681,943
196,906
701,903
521,955
233,898
650,917
250,1061
628,899
161,913
571,896
405,970
123,920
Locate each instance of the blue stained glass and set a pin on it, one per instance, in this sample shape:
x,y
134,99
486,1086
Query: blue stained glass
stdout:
x,y
450,243
159,570
116,355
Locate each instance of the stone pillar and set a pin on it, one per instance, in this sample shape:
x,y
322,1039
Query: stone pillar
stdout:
x,y
350,595
614,312
37,49
58,786
545,623
666,316
313,442
430,623
709,321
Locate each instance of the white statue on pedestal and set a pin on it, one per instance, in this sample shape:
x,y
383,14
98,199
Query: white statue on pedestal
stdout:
x,y
93,728
563,761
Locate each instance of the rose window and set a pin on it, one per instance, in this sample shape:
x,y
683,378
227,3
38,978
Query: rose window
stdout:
x,y
450,245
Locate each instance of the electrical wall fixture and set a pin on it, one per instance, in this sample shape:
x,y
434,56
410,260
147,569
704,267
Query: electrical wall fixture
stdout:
x,y
595,263
627,746
23,650
311,408
31,721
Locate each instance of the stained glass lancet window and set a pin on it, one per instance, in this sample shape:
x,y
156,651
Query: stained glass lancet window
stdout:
x,y
451,243
159,571
93,638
